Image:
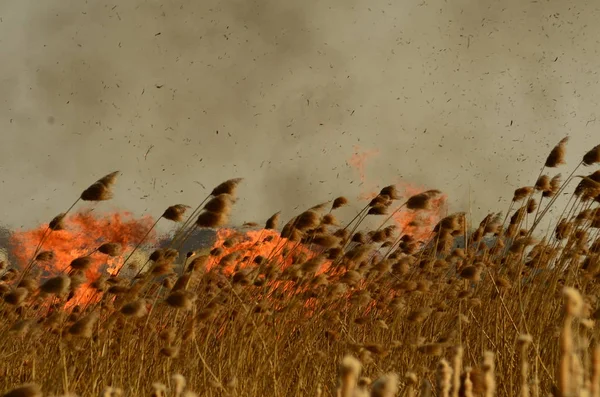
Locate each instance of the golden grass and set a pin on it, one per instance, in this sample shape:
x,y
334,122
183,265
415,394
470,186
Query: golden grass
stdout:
x,y
330,311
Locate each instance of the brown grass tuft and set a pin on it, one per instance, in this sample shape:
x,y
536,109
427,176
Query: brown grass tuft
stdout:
x,y
175,212
136,308
84,327
44,256
391,192
593,156
273,221
101,189
522,193
219,204
378,209
555,183
110,249
180,300
349,372
422,201
386,386
209,219
81,263
228,187
339,202
16,297
557,154
57,223
58,285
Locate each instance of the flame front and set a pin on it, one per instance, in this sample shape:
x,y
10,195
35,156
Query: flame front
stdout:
x,y
418,224
84,232
253,243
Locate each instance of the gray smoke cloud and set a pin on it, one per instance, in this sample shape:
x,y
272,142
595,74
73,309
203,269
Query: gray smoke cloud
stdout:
x,y
467,97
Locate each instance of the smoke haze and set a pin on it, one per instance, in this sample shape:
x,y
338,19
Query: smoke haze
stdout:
x,y
463,96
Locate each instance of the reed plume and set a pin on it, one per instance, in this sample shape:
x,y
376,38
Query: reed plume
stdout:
x,y
101,190
592,156
557,155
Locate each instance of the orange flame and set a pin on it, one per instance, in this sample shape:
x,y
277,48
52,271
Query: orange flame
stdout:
x,y
252,243
358,161
416,223
84,233
419,224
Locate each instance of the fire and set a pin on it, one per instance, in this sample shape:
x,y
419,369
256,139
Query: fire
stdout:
x,y
84,233
358,161
234,250
253,243
416,223
419,224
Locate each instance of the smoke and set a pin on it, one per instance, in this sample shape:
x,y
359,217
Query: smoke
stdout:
x,y
467,97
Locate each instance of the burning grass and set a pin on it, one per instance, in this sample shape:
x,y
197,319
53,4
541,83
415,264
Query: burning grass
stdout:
x,y
313,306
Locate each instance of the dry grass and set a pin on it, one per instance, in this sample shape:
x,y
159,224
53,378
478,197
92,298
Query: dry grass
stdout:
x,y
329,310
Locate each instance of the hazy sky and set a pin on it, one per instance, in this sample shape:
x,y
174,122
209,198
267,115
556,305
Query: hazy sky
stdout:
x,y
184,94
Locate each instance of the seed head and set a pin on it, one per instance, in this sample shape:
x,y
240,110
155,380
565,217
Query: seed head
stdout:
x,y
16,297
378,209
136,308
81,263
273,221
110,249
554,186
386,386
198,263
117,289
471,273
57,285
180,300
329,219
84,327
228,187
593,156
101,189
313,265
557,155
44,256
379,199
219,204
307,220
339,202
543,183
57,223
422,201
531,205
175,212
325,240
391,192
208,219
522,193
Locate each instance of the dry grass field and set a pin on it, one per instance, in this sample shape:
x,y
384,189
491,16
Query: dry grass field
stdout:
x,y
315,307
